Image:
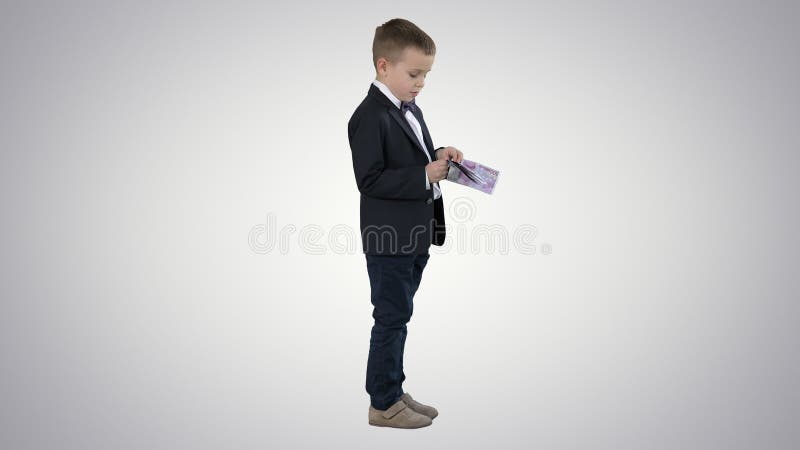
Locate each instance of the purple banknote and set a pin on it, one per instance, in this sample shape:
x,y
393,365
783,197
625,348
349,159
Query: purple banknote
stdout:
x,y
472,174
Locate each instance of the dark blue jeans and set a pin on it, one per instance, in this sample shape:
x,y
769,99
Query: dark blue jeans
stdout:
x,y
393,280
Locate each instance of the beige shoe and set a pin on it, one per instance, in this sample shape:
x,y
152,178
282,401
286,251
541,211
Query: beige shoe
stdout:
x,y
429,411
399,415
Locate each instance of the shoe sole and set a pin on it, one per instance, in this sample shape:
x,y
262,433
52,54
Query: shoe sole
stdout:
x,y
402,428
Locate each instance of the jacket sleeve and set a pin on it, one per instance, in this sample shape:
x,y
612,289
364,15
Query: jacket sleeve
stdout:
x,y
372,177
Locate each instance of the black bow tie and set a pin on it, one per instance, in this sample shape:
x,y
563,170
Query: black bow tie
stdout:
x,y
406,106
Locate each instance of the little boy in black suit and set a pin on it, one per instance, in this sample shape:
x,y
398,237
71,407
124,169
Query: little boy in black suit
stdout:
x,y
397,172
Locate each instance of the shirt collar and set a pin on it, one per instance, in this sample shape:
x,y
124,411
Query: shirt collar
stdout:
x,y
387,92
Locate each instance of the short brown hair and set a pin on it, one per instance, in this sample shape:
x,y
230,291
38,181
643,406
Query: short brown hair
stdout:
x,y
394,36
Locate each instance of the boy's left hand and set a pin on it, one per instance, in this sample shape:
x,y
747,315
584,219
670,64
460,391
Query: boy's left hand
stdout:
x,y
450,153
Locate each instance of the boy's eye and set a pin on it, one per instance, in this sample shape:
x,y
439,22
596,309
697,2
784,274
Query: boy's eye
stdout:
x,y
413,75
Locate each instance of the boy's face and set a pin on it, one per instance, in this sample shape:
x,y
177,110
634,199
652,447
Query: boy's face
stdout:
x,y
406,77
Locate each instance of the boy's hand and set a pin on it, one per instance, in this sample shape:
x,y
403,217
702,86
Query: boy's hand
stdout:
x,y
450,153
437,170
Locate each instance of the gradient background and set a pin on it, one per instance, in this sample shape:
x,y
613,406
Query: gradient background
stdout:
x,y
653,145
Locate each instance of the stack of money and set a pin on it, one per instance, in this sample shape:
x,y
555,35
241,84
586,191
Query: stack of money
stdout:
x,y
473,174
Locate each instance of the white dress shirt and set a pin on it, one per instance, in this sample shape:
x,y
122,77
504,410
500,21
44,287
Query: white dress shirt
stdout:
x,y
417,130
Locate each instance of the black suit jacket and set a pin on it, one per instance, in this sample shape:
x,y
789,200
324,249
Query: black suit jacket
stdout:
x,y
398,214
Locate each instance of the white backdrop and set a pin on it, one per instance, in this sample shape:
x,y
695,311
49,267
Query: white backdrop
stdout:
x,y
652,146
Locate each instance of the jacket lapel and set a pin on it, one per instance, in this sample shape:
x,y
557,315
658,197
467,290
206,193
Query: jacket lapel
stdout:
x,y
395,113
426,135
397,116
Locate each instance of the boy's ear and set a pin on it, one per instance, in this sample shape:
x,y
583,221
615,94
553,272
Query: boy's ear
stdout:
x,y
378,63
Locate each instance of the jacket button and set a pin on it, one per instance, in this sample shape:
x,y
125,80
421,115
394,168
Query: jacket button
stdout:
x,y
429,201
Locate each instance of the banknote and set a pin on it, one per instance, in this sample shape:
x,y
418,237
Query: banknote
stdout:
x,y
473,174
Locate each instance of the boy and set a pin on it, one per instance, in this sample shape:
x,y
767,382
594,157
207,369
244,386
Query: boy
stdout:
x,y
397,172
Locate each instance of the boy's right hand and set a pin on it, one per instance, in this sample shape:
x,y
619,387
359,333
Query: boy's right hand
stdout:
x,y
437,170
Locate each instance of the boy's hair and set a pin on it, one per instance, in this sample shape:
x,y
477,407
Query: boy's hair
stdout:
x,y
394,36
